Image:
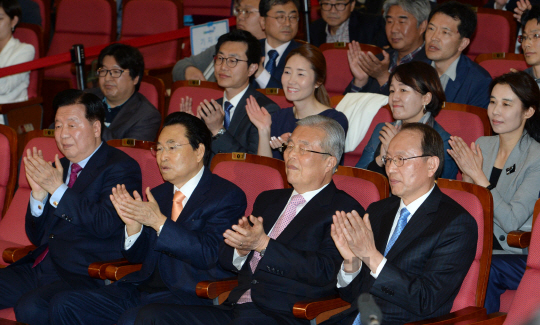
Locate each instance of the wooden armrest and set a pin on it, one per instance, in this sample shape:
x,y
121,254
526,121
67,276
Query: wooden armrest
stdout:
x,y
13,254
114,271
312,308
519,239
457,316
493,319
97,270
212,289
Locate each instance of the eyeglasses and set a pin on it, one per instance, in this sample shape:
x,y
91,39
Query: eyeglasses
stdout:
x,y
524,38
240,12
294,19
115,73
339,6
231,62
170,148
399,160
290,148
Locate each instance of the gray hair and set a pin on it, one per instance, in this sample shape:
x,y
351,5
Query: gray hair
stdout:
x,y
420,9
334,141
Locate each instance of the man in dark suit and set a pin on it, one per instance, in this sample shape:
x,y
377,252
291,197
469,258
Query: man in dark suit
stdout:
x,y
237,59
297,260
450,27
406,22
279,19
178,247
412,250
70,218
341,23
128,113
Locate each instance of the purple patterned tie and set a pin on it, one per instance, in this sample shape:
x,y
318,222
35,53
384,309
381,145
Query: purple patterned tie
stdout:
x,y
281,224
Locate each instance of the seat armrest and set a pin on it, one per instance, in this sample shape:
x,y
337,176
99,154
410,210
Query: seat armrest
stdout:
x,y
457,316
96,270
13,254
116,270
493,319
313,308
519,239
212,289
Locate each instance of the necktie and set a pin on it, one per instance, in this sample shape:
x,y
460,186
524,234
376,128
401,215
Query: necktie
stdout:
x,y
227,108
271,64
402,222
177,205
281,224
75,169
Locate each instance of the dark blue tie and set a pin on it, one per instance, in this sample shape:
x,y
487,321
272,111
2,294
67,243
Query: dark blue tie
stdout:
x,y
227,108
271,64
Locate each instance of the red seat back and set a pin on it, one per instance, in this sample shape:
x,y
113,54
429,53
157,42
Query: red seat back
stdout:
x,y
32,34
277,96
208,7
500,63
154,90
486,39
8,161
363,185
45,13
466,125
197,90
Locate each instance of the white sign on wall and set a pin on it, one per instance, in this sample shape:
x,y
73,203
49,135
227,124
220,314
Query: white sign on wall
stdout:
x,y
206,35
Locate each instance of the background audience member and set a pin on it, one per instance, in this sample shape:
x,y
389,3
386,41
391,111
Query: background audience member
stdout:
x,y
30,12
201,66
406,22
13,88
128,113
303,83
530,41
416,95
341,23
508,164
449,31
506,5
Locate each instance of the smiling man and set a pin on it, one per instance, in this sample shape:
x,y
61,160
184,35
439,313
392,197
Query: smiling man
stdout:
x,y
450,28
70,217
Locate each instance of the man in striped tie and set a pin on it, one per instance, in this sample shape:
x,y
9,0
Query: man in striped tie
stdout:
x,y
412,250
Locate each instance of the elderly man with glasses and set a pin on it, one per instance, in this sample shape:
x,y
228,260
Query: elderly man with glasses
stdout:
x,y
128,113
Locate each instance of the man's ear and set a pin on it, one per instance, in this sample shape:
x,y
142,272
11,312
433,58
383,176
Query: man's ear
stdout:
x,y
200,152
422,28
433,165
252,69
331,163
464,43
262,22
96,127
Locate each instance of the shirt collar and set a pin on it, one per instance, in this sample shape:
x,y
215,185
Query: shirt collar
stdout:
x,y
451,72
280,49
407,58
236,99
83,162
117,106
188,188
309,195
414,205
341,30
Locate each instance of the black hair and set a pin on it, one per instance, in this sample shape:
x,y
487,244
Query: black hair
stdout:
x,y
526,89
94,109
533,13
266,5
461,12
12,8
196,131
253,51
432,144
127,57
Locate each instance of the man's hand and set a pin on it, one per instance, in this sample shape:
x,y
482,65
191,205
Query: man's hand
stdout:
x,y
193,73
212,114
42,176
118,197
351,263
521,6
374,67
245,237
186,105
353,55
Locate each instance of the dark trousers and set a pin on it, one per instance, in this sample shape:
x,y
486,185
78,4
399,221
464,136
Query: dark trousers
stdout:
x,y
30,290
113,304
505,274
166,314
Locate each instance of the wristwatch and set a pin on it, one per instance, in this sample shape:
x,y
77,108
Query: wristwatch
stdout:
x,y
490,187
219,133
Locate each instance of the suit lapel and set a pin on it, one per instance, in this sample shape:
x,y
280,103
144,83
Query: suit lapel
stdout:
x,y
240,110
125,113
453,86
164,195
93,166
385,225
273,211
197,198
518,155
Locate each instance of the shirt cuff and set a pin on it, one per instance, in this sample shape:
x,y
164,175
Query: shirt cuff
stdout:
x,y
344,278
130,240
263,79
36,207
379,268
57,195
238,261
355,89
159,231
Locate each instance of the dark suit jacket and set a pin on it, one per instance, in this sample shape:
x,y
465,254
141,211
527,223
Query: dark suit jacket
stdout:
x,y
186,251
510,6
363,28
471,86
301,263
373,86
30,12
137,119
242,135
275,78
84,227
426,265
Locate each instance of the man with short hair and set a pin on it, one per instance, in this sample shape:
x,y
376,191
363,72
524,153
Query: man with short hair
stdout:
x,y
406,22
530,43
284,253
341,23
450,28
70,217
128,113
410,251
175,235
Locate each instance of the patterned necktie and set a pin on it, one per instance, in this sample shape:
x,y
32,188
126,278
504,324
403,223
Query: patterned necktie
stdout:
x,y
177,205
281,224
271,64
227,108
75,169
402,222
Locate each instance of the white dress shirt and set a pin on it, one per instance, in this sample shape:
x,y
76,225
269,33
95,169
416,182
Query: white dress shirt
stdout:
x,y
264,77
234,101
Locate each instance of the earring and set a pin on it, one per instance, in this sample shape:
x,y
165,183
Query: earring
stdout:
x,y
12,29
424,109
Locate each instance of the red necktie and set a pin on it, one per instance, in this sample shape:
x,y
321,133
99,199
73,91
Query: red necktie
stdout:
x,y
177,205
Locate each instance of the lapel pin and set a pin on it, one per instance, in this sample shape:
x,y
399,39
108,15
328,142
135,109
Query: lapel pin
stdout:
x,y
511,169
